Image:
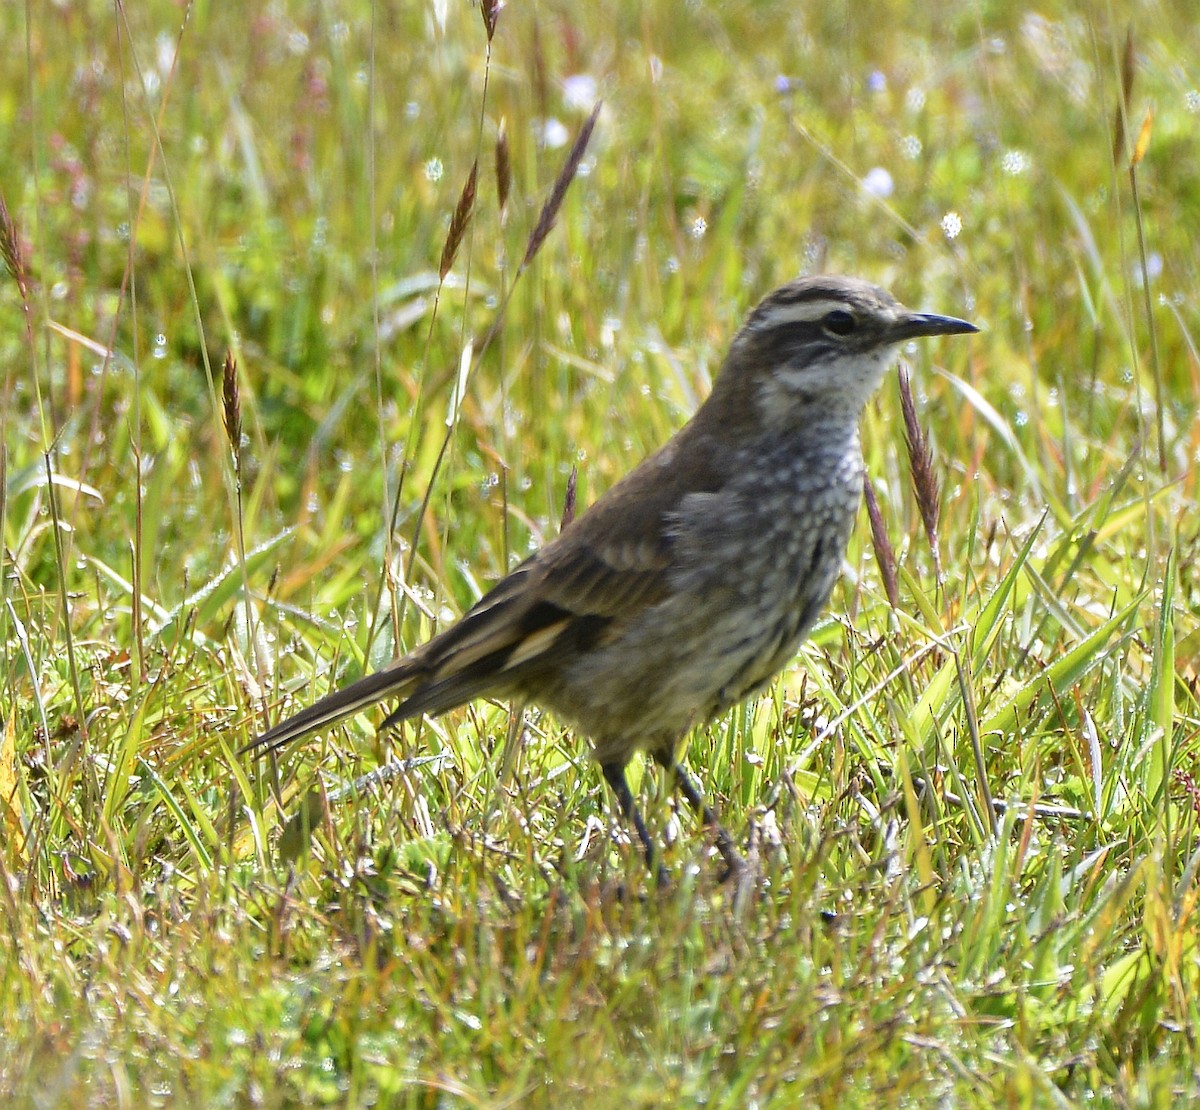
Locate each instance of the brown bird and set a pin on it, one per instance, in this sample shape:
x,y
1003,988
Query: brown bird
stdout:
x,y
687,586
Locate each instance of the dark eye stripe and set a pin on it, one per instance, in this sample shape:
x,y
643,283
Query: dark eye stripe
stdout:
x,y
783,342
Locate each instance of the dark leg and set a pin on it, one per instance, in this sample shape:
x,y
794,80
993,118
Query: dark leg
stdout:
x,y
614,775
734,863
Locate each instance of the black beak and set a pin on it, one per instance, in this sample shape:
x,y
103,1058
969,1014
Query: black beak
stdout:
x,y
927,323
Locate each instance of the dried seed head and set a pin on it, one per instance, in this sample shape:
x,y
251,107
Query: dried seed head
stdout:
x,y
1125,102
490,10
10,250
503,169
920,463
554,202
884,555
458,222
231,402
568,513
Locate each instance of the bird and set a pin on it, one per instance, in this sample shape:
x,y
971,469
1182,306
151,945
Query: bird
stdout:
x,y
689,584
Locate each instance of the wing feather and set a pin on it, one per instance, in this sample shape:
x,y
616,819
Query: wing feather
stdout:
x,y
582,588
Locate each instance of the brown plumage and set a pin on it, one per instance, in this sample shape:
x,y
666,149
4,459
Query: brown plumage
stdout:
x,y
692,581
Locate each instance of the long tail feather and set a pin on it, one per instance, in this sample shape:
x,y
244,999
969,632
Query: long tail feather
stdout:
x,y
335,707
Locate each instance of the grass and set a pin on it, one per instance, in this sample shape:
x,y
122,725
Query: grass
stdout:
x,y
976,809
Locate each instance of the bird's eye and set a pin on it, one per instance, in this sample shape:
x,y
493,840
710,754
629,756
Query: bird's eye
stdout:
x,y
839,322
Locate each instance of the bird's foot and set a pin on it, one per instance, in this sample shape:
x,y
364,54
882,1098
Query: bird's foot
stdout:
x,y
741,875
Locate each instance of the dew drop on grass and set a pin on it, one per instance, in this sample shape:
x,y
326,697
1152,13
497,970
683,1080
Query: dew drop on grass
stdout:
x,y
878,182
1154,269
579,92
554,134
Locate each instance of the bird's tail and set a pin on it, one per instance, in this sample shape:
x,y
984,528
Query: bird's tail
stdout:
x,y
389,682
503,637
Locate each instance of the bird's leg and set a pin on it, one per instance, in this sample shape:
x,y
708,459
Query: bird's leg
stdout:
x,y
614,775
734,863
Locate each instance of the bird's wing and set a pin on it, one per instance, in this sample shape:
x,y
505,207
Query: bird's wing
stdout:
x,y
564,599
577,591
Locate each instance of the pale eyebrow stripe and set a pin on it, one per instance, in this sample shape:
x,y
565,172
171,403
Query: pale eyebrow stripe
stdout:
x,y
802,312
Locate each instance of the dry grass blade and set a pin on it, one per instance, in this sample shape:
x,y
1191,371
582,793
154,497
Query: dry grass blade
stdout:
x,y
14,262
884,555
1143,140
1121,118
920,462
490,10
554,202
10,250
458,222
230,402
231,405
568,513
503,170
538,66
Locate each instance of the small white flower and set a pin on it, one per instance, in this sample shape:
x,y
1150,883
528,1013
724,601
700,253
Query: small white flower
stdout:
x,y
1015,162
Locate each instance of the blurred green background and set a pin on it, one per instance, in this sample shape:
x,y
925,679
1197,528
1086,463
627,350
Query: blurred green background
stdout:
x,y
276,182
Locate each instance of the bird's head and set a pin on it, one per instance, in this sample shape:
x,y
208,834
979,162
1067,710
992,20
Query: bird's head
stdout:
x,y
822,345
